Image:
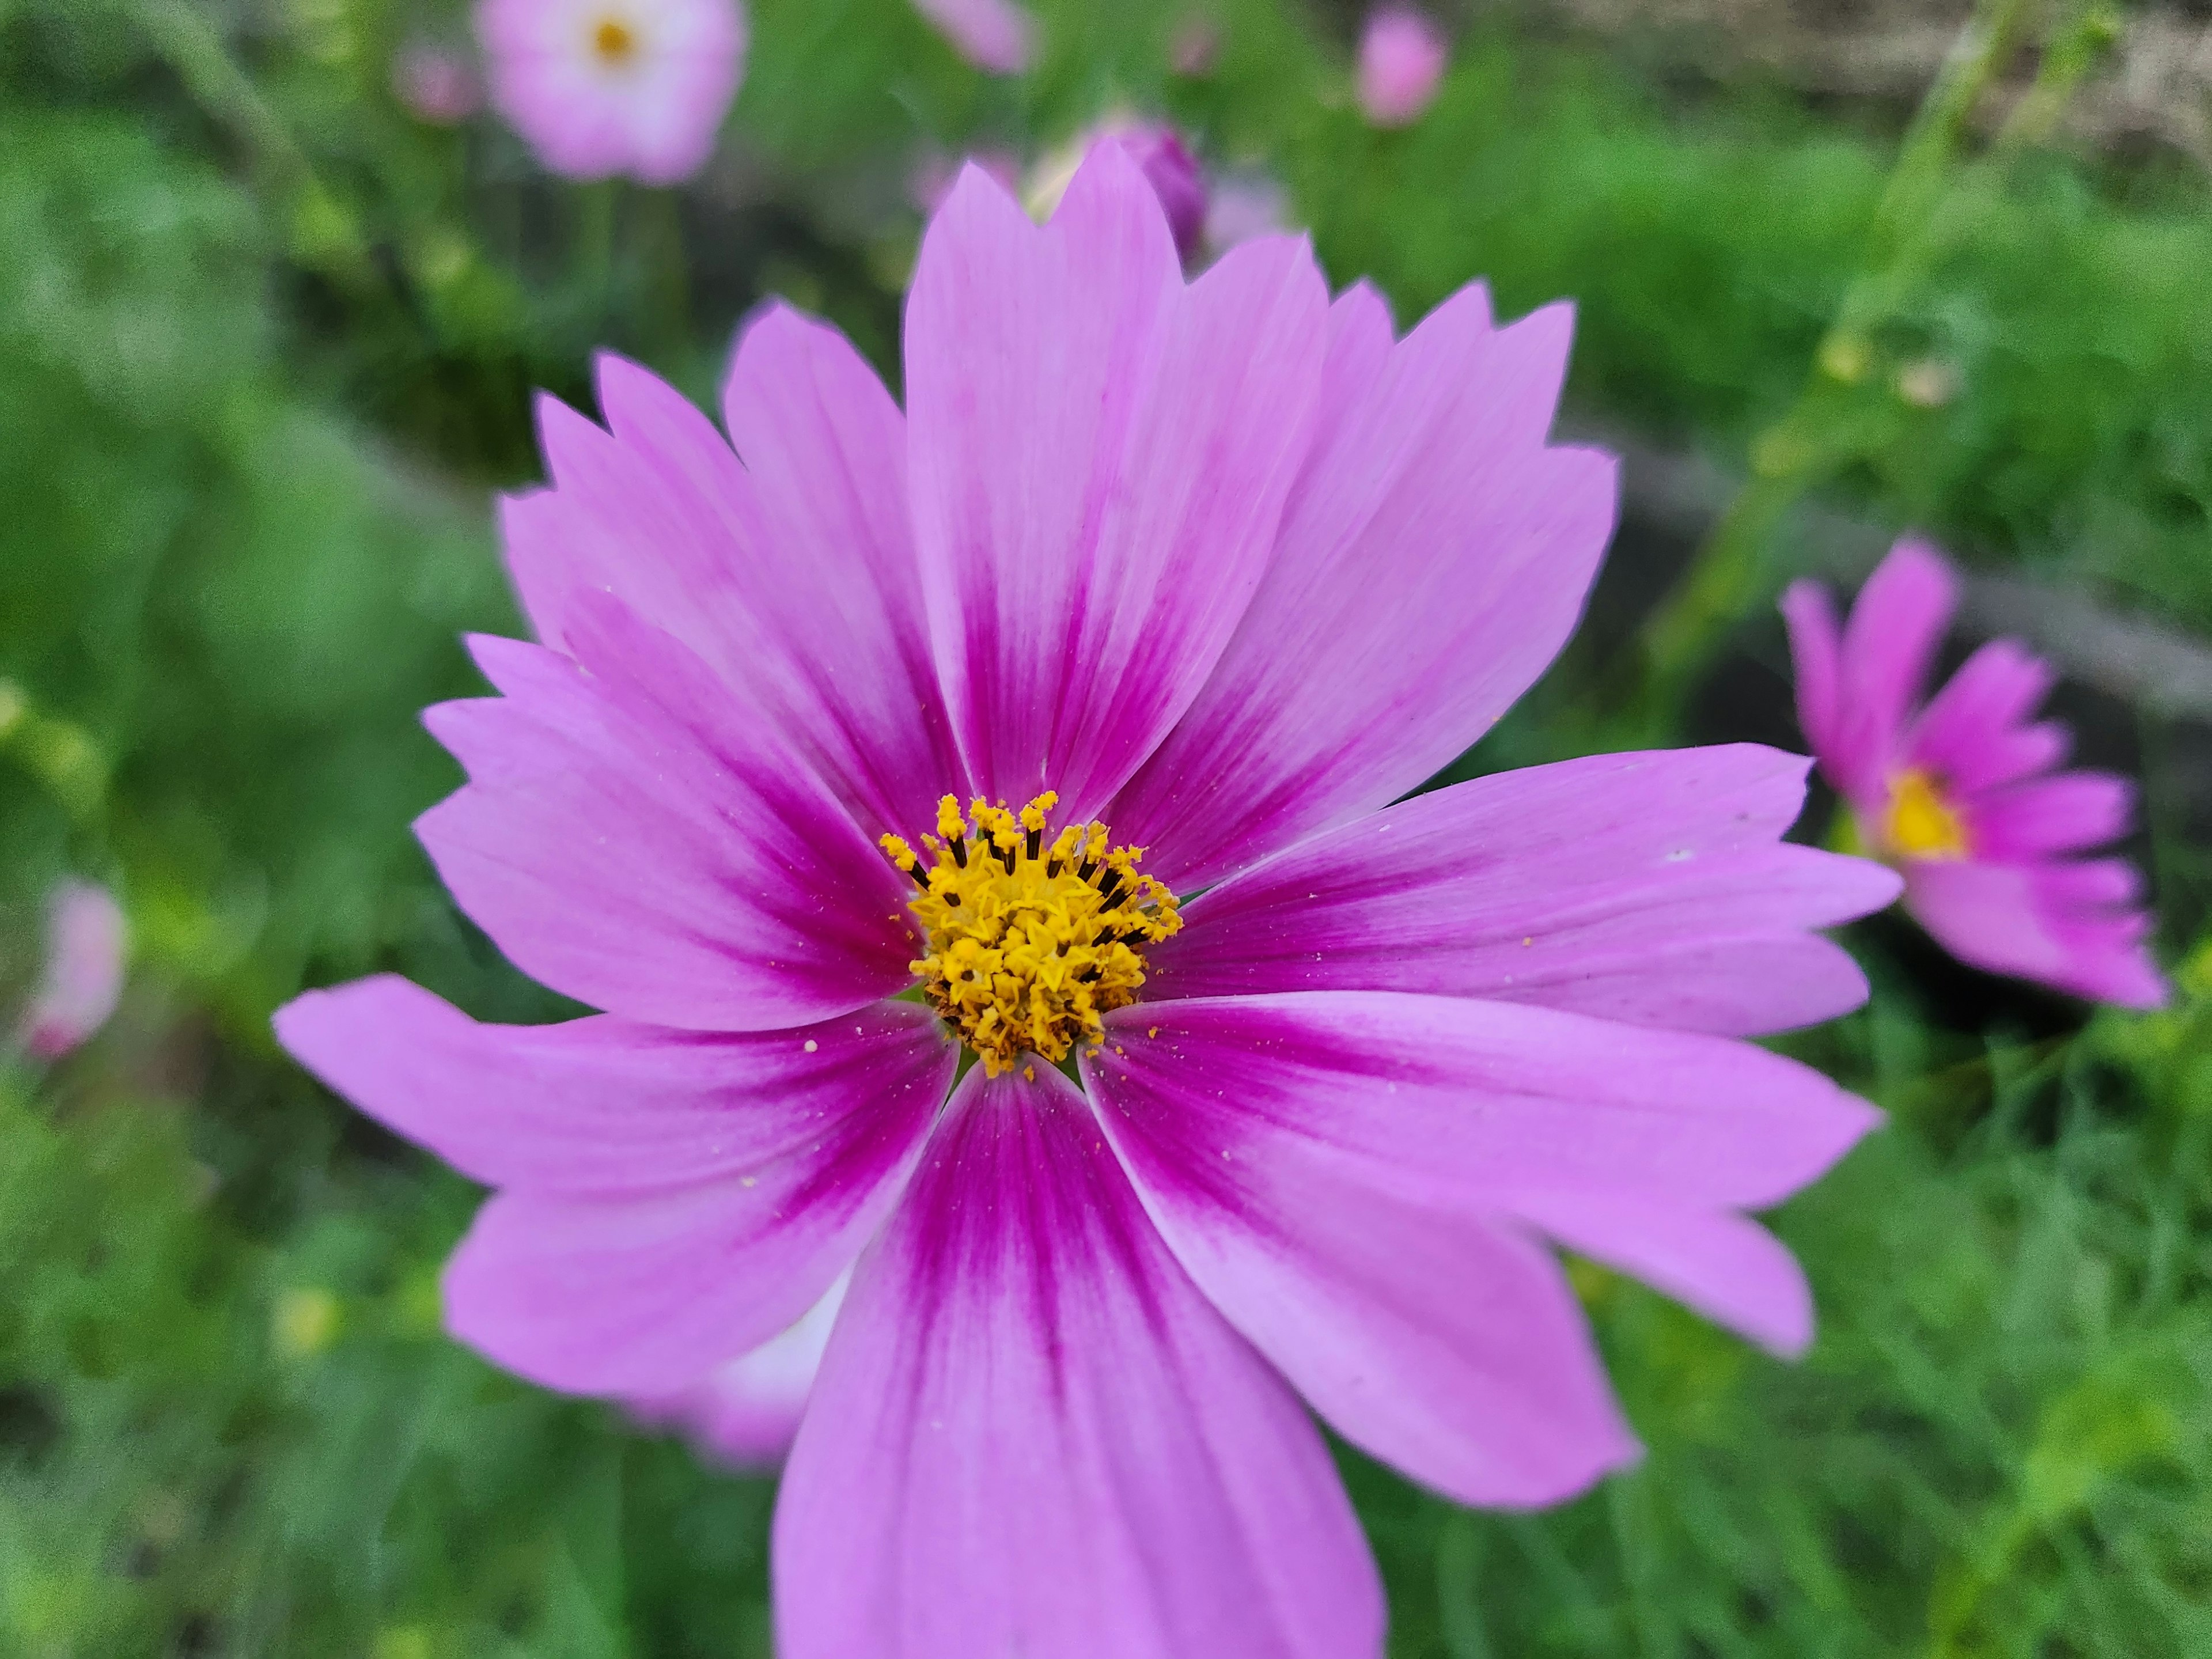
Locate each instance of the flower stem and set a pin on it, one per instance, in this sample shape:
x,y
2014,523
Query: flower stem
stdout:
x,y
1729,574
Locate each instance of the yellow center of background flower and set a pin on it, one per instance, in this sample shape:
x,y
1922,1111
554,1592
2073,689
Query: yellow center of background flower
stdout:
x,y
1032,935
1921,822
614,41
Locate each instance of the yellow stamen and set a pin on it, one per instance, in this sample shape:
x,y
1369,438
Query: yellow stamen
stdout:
x,y
1032,936
614,41
1921,822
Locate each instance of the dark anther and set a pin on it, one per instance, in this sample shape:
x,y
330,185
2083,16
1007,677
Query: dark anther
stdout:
x,y
1085,872
1108,887
959,846
953,900
1006,855
1036,844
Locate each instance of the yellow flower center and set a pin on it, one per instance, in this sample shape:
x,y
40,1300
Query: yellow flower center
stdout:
x,y
1921,822
614,41
1032,935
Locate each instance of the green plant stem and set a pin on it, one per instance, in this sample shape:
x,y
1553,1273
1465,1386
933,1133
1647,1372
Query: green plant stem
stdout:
x,y
318,229
670,297
1729,573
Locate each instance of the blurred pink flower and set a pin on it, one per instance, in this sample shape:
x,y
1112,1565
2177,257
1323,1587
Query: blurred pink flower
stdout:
x,y
83,975
606,87
1241,206
745,1413
436,85
1401,59
1231,567
993,35
935,174
1160,155
1959,794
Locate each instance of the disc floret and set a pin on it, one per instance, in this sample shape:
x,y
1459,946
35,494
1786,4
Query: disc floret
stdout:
x,y
1033,934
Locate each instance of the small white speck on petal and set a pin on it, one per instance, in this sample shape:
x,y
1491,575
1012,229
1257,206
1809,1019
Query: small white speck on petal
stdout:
x,y
811,1045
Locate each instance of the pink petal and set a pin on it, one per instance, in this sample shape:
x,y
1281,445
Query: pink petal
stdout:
x,y
602,1107
993,35
1816,663
1649,888
2063,925
1099,457
1975,733
1888,647
2067,813
1030,1435
1352,1178
792,575
746,1413
669,1198
629,838
1433,559
80,980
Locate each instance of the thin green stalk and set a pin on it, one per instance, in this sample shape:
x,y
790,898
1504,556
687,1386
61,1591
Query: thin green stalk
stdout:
x,y
1729,573
669,295
318,230
594,249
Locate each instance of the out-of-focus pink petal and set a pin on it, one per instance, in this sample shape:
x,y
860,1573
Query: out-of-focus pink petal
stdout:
x,y
1030,1435
1888,645
745,1413
2066,925
2068,813
1352,1178
1649,888
1433,558
1099,457
603,1107
669,1198
629,839
1816,665
1974,735
993,35
1402,59
80,980
649,108
792,575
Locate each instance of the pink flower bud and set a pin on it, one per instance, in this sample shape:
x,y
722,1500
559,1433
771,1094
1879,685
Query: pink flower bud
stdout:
x,y
1401,59
83,972
436,85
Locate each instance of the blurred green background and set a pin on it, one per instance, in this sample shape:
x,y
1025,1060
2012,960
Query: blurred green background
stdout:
x,y
266,347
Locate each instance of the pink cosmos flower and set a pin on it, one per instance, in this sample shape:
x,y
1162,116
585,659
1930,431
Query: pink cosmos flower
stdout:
x,y
607,87
82,978
1289,1104
436,86
1401,59
1960,792
993,35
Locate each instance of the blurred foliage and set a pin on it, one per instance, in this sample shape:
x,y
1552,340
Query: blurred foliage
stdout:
x,y
267,341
